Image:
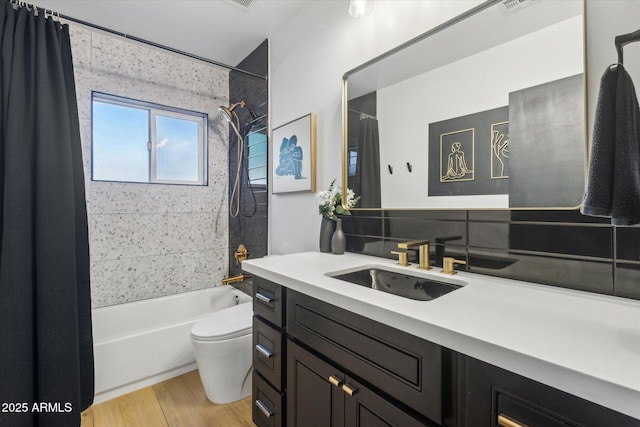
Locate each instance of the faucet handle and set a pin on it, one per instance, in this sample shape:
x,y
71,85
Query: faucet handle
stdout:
x,y
448,264
403,258
412,244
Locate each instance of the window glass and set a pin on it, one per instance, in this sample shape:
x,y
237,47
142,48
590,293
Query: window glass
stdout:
x,y
257,158
177,149
353,161
136,141
120,139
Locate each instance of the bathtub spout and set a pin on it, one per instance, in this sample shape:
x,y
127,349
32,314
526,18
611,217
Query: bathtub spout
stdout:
x,y
234,279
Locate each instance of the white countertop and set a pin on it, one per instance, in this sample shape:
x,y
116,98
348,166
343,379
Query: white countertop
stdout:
x,y
582,343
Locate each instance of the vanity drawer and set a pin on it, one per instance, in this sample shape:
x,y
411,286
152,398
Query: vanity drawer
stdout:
x,y
269,301
401,365
268,352
267,405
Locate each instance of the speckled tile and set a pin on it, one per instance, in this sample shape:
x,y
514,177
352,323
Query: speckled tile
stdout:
x,y
80,46
211,198
149,240
134,279
85,139
209,81
209,268
122,197
125,235
83,81
209,231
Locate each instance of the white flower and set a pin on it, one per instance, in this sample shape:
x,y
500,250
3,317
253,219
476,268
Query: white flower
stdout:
x,y
331,201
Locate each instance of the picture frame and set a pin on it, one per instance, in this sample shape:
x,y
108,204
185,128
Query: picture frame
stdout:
x,y
294,156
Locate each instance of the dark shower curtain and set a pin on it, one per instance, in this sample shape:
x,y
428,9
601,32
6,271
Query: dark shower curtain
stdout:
x,y
368,164
46,349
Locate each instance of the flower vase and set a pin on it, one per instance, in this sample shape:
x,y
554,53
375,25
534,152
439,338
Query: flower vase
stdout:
x,y
326,232
339,240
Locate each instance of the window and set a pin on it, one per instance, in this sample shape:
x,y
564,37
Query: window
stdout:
x,y
136,141
352,161
257,159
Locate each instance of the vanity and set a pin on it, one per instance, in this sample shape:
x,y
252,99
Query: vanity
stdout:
x,y
462,117
491,352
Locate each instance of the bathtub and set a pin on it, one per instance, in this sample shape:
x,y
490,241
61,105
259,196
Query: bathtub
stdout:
x,y
142,343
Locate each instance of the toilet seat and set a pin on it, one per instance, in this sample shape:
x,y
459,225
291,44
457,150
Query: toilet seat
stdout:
x,y
231,322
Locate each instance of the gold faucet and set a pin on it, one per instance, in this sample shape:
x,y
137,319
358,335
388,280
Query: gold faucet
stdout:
x,y
403,258
241,254
448,264
423,251
234,279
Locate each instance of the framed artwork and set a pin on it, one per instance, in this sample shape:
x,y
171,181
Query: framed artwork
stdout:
x,y
500,150
469,155
294,156
457,155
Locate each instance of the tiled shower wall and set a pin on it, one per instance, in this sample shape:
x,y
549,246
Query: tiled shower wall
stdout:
x,y
555,247
250,226
151,240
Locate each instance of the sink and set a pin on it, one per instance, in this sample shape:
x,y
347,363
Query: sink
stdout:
x,y
398,283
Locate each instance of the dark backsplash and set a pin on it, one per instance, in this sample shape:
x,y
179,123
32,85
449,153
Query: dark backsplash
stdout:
x,y
556,247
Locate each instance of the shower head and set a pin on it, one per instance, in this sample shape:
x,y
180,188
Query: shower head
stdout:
x,y
226,112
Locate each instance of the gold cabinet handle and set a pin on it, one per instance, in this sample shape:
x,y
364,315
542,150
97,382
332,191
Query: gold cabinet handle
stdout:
x,y
505,421
349,390
335,381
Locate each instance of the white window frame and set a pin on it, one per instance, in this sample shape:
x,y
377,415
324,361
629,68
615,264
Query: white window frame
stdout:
x,y
156,110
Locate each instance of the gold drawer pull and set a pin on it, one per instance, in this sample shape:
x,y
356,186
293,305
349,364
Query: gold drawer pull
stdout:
x,y
335,381
349,390
505,421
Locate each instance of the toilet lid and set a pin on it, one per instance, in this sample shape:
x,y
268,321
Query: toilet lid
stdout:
x,y
227,323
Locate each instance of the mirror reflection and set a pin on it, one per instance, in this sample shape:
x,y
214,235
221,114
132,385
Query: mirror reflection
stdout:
x,y
486,111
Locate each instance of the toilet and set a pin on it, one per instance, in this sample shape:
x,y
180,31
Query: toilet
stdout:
x,y
222,345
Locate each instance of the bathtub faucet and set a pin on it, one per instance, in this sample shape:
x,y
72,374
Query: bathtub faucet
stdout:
x,y
241,254
234,279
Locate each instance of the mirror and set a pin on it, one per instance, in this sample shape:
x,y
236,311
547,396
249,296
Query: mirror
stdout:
x,y
484,111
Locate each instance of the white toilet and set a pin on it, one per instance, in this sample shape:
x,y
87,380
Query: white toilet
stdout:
x,y
222,345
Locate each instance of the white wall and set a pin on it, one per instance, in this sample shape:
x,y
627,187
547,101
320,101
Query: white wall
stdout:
x,y
607,19
307,61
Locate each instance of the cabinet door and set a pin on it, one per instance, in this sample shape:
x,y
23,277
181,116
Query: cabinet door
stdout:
x,y
319,395
364,408
405,367
314,396
495,396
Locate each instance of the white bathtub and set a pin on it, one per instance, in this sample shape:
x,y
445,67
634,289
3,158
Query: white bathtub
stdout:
x,y
144,342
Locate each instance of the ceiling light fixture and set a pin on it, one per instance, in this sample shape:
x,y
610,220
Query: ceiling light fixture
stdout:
x,y
360,8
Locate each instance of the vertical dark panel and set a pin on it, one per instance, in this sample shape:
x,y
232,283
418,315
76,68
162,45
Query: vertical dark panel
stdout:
x,y
546,147
250,226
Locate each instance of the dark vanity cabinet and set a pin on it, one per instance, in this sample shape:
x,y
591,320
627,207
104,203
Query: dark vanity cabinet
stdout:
x,y
495,397
321,395
365,372
269,350
317,365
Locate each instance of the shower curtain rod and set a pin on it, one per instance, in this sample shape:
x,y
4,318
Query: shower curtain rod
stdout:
x,y
363,115
136,39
